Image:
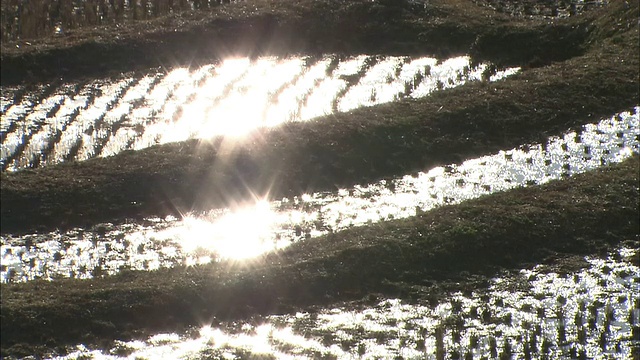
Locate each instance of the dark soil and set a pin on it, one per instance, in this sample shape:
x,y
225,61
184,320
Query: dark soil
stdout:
x,y
576,71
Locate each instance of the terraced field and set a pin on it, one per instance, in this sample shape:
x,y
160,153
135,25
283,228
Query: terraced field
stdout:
x,y
320,179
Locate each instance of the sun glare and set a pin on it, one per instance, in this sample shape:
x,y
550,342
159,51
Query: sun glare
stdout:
x,y
242,233
240,95
255,340
244,107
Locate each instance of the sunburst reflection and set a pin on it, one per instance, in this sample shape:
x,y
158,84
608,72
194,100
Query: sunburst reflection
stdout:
x,y
240,233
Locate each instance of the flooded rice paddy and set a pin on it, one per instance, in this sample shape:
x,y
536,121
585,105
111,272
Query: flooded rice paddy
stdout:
x,y
593,313
225,234
66,122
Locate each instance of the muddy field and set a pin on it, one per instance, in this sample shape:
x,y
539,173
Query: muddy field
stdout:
x,y
320,179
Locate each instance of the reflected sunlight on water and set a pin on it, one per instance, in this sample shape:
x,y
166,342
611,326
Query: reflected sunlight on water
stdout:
x,y
236,234
589,313
250,229
104,117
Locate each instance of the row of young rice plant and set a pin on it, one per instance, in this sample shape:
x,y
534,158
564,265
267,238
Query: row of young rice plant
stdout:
x,y
582,314
67,122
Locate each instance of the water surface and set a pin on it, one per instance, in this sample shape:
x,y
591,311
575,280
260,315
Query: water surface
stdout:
x,y
80,121
589,313
264,225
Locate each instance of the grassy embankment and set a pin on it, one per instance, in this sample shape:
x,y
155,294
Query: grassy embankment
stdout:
x,y
580,215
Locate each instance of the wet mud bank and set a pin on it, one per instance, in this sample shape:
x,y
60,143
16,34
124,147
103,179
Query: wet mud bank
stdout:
x,y
253,28
452,247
